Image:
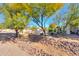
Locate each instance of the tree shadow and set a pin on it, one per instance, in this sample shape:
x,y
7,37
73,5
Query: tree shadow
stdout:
x,y
67,36
71,36
4,37
55,35
35,38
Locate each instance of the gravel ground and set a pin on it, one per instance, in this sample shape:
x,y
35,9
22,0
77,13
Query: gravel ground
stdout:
x,y
48,46
10,49
51,46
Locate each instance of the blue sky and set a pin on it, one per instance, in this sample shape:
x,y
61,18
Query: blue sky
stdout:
x,y
1,18
49,20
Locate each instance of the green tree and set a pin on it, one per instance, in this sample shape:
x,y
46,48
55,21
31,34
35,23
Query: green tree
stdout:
x,y
33,28
41,12
1,26
72,16
15,18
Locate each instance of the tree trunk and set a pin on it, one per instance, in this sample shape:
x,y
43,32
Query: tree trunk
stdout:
x,y
17,33
44,32
68,29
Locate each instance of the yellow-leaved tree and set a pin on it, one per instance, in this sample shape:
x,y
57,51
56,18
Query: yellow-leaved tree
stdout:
x,y
42,11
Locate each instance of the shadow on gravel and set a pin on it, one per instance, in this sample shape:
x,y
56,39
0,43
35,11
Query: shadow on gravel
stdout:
x,y
7,37
35,38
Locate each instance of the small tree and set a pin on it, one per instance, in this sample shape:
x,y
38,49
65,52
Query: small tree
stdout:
x,y
15,18
18,22
33,28
52,27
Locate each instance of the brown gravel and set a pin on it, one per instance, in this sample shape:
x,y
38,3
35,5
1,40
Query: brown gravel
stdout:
x,y
49,46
